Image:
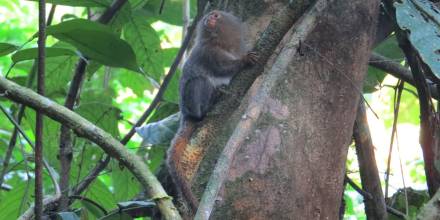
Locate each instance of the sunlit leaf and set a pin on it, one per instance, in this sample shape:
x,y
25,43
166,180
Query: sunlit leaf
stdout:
x,y
146,44
82,3
10,201
96,41
6,48
171,11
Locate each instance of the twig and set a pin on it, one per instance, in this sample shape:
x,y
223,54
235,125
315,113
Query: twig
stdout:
x,y
86,129
304,27
358,189
398,71
397,97
367,195
162,4
49,169
39,116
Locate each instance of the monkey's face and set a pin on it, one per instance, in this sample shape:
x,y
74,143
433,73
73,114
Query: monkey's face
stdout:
x,y
212,19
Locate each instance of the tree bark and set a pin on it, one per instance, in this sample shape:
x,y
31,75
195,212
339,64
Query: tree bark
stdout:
x,y
292,164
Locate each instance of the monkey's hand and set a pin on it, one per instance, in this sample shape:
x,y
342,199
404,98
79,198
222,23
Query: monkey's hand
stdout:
x,y
251,58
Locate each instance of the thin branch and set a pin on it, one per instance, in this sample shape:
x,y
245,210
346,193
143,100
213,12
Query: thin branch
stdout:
x,y
50,170
254,109
39,116
375,208
397,97
398,71
358,189
367,195
20,114
86,129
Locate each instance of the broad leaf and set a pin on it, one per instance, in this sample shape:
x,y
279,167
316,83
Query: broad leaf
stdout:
x,y
96,41
82,3
11,201
171,12
421,19
32,53
125,185
6,48
98,191
96,106
146,44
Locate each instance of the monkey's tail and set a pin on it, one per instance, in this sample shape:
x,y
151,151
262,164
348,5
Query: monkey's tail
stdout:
x,y
177,166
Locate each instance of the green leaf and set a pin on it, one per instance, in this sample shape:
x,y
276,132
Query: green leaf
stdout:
x,y
96,106
390,49
32,53
97,212
171,12
96,41
81,3
125,185
136,82
146,44
6,48
373,79
98,191
11,201
422,21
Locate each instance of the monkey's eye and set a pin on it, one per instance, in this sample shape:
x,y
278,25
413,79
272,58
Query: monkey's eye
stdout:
x,y
216,15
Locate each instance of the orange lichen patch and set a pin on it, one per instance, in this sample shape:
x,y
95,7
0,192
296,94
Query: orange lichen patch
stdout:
x,y
190,161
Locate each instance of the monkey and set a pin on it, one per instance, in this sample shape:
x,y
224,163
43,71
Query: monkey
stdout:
x,y
217,56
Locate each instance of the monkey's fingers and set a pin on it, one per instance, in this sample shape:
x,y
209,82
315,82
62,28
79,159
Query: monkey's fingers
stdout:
x,y
253,58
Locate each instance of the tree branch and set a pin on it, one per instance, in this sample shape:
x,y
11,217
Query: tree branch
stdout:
x,y
39,116
84,128
375,207
398,71
65,152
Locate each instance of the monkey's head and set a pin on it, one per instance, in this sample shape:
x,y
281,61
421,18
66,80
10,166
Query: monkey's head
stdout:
x,y
219,24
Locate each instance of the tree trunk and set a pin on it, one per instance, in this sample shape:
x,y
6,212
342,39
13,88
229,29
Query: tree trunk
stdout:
x,y
289,160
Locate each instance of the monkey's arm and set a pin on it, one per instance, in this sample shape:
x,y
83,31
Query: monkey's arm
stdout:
x,y
228,64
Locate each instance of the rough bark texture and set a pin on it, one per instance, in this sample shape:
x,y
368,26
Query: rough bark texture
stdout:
x,y
293,164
